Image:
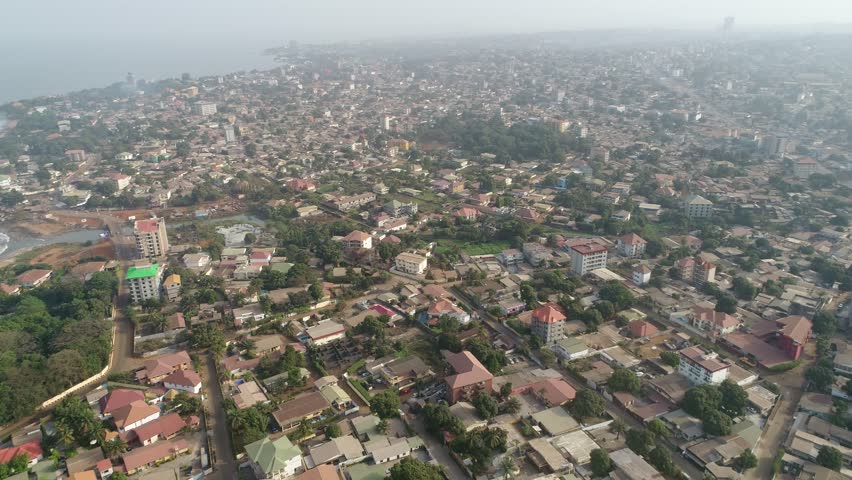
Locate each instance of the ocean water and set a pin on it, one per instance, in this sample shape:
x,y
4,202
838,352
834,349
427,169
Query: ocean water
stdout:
x,y
57,64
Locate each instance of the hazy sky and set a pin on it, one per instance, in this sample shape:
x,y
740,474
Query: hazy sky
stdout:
x,y
325,20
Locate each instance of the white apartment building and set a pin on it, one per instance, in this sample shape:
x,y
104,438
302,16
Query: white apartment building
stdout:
x,y
702,367
696,206
205,108
143,281
587,257
411,263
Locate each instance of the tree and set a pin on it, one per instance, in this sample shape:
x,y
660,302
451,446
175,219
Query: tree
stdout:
x,y
658,428
412,469
182,149
115,447
670,358
618,294
209,336
640,441
382,426
385,404
249,238
486,405
250,150
511,406
744,289
618,427
726,303
717,423
701,399
624,380
821,378
734,398
588,404
601,464
745,461
547,357
824,323
333,431
660,458
505,390
316,291
830,457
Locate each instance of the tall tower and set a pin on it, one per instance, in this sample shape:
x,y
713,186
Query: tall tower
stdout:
x,y
152,241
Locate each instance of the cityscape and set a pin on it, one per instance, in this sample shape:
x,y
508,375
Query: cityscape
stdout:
x,y
550,256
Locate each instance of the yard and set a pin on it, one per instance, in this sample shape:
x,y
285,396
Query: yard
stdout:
x,y
474,249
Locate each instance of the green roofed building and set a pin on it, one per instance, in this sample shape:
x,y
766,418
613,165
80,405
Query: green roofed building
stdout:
x,y
143,281
274,459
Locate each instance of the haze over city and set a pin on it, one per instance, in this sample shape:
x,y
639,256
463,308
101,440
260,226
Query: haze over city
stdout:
x,y
492,240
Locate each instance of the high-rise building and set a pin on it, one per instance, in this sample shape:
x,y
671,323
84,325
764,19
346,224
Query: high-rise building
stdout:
x,y
230,135
386,121
548,322
152,241
587,257
702,367
696,206
205,108
143,281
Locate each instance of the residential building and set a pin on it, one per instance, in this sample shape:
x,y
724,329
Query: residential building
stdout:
x,y
204,108
134,415
629,466
306,406
466,213
696,206
143,281
696,271
641,275
470,377
571,348
443,307
587,257
804,167
512,256
794,335
358,239
404,372
631,245
717,323
548,323
536,254
395,208
702,367
411,263
326,331
33,278
140,458
152,240
184,380
31,450
156,369
354,201
171,287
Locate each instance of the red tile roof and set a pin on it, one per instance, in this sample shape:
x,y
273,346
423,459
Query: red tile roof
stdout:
x,y
549,313
139,457
185,378
31,449
796,328
32,276
147,226
118,398
132,413
641,328
632,239
469,370
165,426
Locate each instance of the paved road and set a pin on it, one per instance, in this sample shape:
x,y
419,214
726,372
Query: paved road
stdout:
x,y
225,466
438,450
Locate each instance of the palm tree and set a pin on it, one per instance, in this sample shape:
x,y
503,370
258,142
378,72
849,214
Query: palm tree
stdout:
x,y
618,426
65,433
115,447
507,464
159,321
382,426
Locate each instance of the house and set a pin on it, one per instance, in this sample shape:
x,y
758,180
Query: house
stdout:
x,y
412,263
804,167
470,376
260,257
10,289
249,313
794,335
340,450
548,323
248,394
163,428
158,368
587,257
629,466
631,245
395,208
34,278
512,256
305,406
324,332
439,308
404,372
570,348
31,450
717,323
536,254
176,321
696,270
358,239
641,328
184,380
466,213
171,287
196,260
321,472
702,367
336,396
141,458
134,415
84,271
118,398
641,275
